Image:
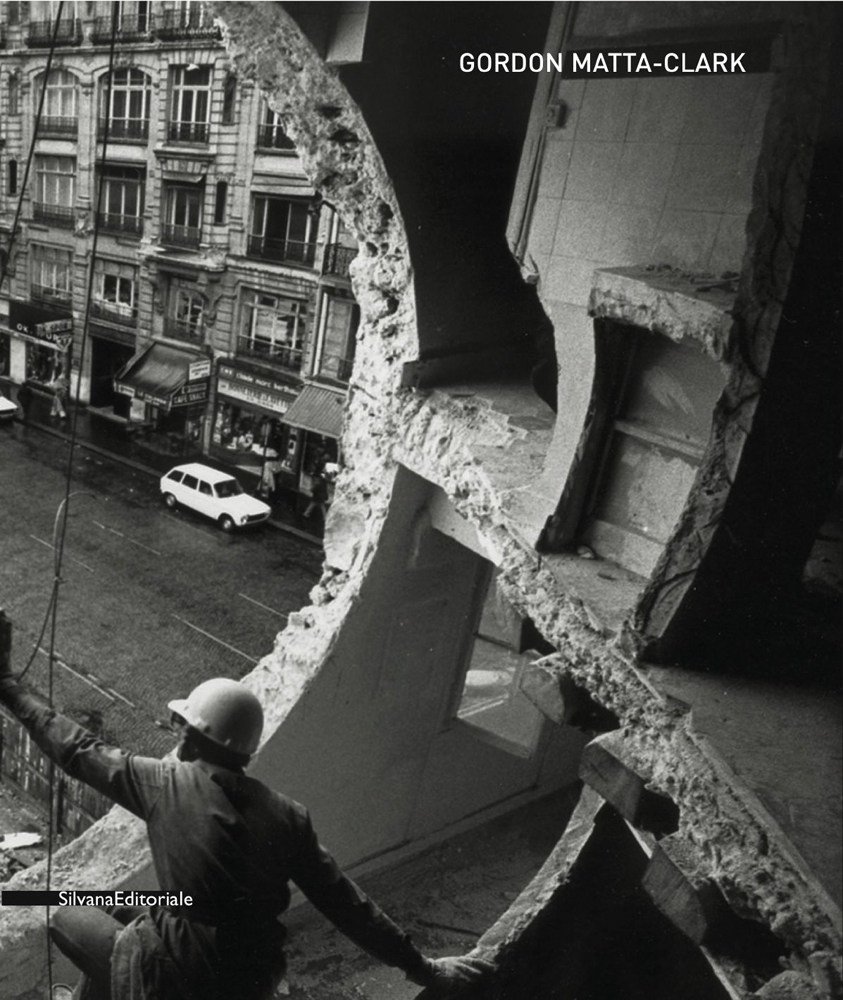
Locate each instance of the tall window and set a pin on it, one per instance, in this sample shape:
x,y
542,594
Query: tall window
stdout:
x,y
490,699
187,315
273,327
127,107
341,318
41,31
55,190
14,94
271,134
51,273
282,230
130,19
183,220
115,290
12,176
190,101
58,116
122,199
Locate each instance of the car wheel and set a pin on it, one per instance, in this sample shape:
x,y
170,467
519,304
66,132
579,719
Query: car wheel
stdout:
x,y
170,501
226,523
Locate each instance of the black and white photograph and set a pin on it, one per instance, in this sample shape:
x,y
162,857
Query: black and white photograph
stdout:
x,y
421,500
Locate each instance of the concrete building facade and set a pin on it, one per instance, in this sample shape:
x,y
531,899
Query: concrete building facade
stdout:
x,y
516,596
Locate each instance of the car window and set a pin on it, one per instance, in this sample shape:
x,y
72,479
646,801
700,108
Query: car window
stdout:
x,y
175,475
191,481
206,489
228,488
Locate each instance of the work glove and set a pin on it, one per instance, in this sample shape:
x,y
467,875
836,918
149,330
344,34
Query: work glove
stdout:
x,y
450,976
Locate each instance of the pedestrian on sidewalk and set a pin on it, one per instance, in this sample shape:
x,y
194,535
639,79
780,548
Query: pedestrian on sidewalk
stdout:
x,y
59,387
24,399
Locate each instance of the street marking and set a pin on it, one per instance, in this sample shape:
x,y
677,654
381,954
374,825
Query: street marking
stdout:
x,y
140,545
131,541
52,548
272,611
81,677
208,635
125,700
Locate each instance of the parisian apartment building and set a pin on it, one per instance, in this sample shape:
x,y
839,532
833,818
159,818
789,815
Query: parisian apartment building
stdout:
x,y
171,261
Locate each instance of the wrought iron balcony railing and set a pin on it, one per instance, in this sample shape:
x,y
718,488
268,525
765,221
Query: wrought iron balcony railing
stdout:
x,y
196,133
266,350
131,225
338,258
114,312
58,126
46,293
129,29
125,128
179,329
40,33
274,137
286,251
193,23
181,236
53,215
336,366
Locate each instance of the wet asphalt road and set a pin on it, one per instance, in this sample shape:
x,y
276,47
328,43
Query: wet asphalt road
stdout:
x,y
151,602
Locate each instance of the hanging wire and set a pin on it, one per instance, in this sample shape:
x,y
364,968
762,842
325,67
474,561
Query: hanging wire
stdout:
x,y
60,524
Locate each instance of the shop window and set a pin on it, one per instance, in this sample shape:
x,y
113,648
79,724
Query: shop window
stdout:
x,y
115,291
5,354
187,315
273,327
13,11
122,200
653,405
125,108
12,176
43,364
219,202
282,230
490,701
59,111
190,102
229,93
183,215
271,134
340,318
51,274
55,190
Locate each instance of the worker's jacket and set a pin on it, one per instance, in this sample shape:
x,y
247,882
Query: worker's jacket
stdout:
x,y
231,844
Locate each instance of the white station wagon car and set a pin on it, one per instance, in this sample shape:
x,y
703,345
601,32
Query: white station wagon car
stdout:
x,y
215,494
7,408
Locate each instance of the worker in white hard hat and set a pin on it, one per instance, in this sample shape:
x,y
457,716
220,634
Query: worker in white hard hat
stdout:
x,y
219,837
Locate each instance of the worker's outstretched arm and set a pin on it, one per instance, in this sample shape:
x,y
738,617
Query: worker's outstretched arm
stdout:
x,y
346,905
131,782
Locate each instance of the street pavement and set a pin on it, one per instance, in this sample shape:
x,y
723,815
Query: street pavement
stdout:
x,y
151,602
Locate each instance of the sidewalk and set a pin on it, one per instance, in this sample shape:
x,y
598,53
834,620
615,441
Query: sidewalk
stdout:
x,y
106,436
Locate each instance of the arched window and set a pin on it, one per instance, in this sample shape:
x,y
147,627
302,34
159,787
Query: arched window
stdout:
x,y
59,113
126,106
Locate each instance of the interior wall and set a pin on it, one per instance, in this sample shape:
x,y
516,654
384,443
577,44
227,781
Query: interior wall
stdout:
x,y
640,171
369,748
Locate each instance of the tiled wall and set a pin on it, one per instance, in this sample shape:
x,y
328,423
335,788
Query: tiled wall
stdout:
x,y
641,171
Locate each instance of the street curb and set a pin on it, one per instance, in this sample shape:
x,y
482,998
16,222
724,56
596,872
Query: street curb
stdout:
x,y
153,473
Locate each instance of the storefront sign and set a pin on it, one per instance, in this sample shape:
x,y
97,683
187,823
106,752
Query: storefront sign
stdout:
x,y
197,370
41,326
255,389
190,394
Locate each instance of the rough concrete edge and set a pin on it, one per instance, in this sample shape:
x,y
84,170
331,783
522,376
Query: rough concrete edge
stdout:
x,y
772,238
267,46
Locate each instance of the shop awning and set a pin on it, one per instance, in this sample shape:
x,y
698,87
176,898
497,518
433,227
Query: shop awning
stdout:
x,y
318,410
158,375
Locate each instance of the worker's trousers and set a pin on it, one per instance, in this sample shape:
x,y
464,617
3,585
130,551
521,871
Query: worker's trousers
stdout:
x,y
86,935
